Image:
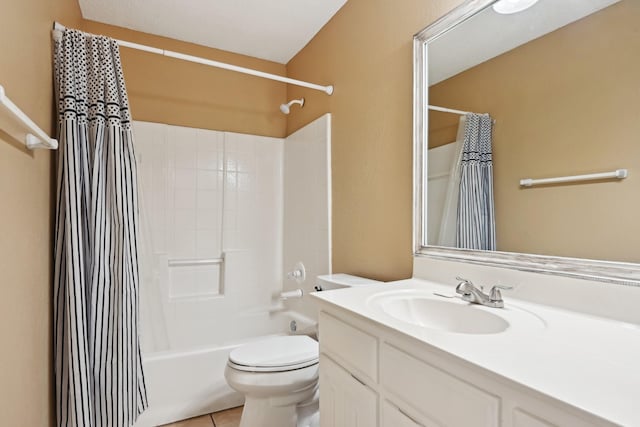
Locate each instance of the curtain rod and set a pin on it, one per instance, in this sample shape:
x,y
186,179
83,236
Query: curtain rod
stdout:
x,y
58,28
449,110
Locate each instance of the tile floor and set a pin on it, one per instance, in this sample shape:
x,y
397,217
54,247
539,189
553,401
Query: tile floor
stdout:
x,y
228,418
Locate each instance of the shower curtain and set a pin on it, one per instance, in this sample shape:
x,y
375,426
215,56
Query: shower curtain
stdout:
x,y
99,378
475,225
448,225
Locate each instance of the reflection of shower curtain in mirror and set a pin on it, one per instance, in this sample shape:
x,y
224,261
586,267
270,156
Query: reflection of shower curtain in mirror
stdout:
x,y
447,233
476,227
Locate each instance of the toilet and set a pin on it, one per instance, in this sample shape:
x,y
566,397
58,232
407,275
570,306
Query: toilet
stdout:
x,y
279,376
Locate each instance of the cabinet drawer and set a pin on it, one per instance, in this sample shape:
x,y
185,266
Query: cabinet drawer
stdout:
x,y
392,416
522,419
356,350
345,401
445,399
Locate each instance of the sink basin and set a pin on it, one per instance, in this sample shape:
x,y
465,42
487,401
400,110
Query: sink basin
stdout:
x,y
445,315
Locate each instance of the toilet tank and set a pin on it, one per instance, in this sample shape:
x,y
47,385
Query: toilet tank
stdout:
x,y
339,281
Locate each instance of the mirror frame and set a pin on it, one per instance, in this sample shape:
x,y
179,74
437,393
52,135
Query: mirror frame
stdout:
x,y
620,273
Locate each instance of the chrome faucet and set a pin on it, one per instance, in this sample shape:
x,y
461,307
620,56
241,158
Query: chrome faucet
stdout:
x,y
470,293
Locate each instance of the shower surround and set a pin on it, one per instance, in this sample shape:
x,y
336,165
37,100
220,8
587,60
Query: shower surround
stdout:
x,y
216,208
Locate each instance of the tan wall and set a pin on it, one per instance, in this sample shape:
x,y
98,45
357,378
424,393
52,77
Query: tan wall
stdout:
x,y
565,104
171,91
366,52
26,196
161,90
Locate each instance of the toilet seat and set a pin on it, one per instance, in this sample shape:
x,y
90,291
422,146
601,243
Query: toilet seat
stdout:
x,y
272,368
277,354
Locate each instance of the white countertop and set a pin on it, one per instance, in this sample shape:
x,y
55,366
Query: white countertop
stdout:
x,y
585,361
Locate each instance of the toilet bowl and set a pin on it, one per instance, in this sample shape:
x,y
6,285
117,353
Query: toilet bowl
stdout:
x,y
279,379
279,376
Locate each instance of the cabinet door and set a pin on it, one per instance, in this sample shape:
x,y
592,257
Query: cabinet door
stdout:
x,y
344,400
392,416
522,419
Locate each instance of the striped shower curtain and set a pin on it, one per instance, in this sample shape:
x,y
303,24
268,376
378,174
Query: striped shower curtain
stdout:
x,y
476,224
99,379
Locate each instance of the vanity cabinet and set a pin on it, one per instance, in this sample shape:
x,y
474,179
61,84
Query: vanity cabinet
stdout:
x,y
373,376
346,401
392,416
440,396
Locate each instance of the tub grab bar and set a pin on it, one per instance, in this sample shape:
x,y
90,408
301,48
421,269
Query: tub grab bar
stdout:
x,y
194,262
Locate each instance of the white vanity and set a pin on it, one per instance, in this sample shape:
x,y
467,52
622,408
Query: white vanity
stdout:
x,y
565,349
396,355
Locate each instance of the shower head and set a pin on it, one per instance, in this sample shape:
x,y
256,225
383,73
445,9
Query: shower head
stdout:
x,y
286,108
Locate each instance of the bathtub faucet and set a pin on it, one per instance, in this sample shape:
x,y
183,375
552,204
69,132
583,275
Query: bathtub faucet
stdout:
x,y
294,274
298,273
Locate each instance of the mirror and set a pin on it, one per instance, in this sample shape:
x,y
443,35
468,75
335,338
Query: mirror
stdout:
x,y
555,93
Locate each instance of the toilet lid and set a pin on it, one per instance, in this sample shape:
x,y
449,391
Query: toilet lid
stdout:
x,y
276,352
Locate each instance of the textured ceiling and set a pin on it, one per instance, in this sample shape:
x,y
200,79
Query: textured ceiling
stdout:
x,y
269,29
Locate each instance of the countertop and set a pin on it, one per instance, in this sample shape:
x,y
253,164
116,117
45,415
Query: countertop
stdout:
x,y
587,362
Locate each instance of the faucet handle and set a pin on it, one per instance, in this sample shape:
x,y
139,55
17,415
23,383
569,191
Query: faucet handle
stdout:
x,y
495,294
464,281
465,286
